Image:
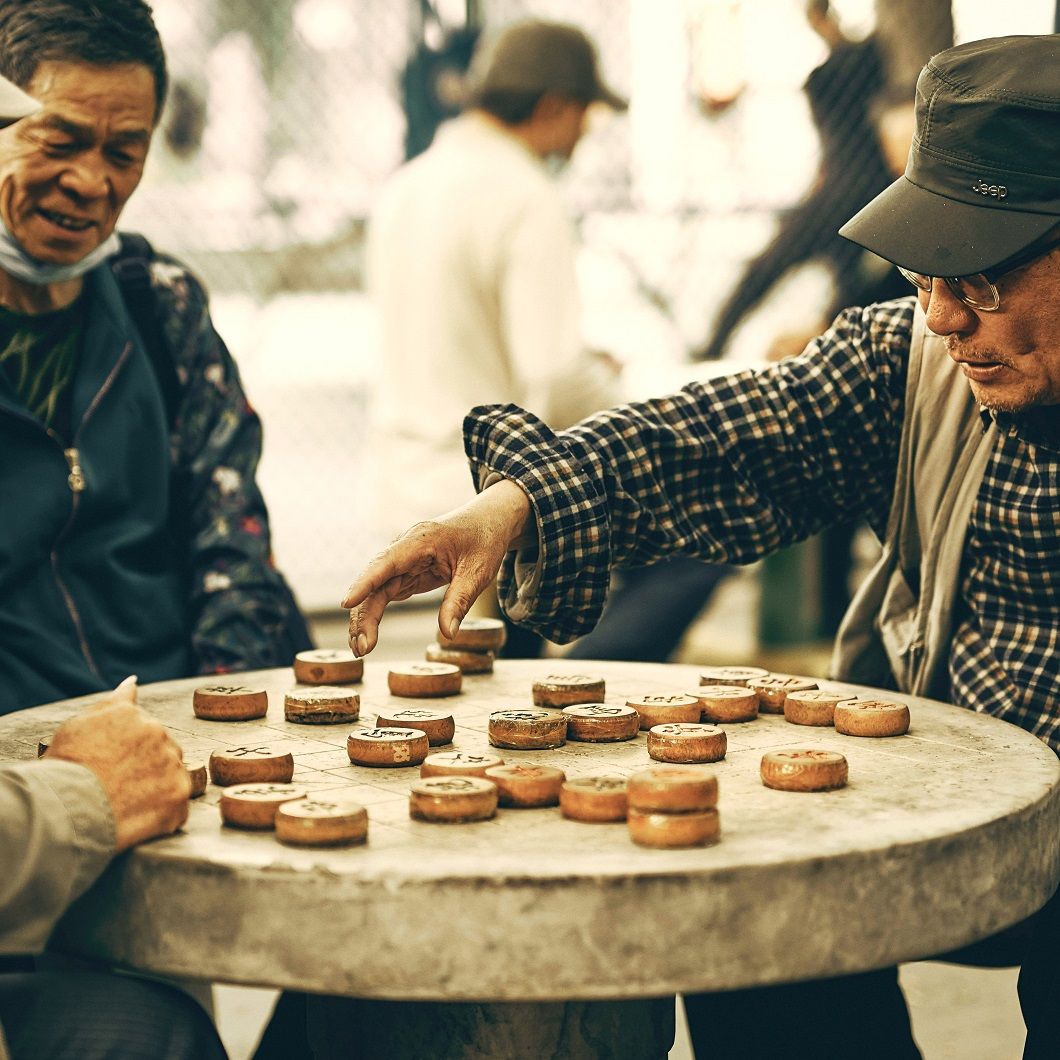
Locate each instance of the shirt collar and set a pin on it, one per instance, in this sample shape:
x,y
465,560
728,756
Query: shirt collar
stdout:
x,y
1037,426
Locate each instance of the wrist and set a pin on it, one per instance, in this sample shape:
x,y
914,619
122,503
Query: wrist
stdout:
x,y
511,506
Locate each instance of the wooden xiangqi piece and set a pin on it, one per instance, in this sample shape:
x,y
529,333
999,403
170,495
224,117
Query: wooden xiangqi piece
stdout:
x,y
387,747
230,702
251,764
454,800
328,666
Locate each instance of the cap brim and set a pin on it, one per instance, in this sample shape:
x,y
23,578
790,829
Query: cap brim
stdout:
x,y
612,99
14,103
929,233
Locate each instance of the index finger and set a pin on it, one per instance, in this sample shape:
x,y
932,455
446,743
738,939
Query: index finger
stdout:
x,y
390,563
364,624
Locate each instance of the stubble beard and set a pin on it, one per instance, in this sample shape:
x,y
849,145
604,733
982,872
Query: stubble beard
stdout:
x,y
984,393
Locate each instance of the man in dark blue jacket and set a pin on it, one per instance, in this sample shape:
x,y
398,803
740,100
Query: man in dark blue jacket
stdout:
x,y
134,538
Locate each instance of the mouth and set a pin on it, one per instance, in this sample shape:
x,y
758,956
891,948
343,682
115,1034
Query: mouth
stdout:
x,y
66,221
979,369
982,371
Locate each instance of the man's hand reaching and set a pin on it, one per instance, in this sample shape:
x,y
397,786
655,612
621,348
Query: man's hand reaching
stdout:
x,y
462,549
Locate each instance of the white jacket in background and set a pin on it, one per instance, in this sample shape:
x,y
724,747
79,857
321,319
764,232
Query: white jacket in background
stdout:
x,y
471,272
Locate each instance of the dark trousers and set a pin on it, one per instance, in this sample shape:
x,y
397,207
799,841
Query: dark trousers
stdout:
x,y
102,1016
853,1016
865,1016
1039,983
649,610
352,1029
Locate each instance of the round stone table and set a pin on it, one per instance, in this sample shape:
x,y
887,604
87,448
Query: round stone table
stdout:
x,y
942,837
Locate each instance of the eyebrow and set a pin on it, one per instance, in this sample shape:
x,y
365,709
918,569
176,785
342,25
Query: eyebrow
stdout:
x,y
74,129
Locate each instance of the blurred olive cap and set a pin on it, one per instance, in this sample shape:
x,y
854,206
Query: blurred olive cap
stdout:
x,y
539,56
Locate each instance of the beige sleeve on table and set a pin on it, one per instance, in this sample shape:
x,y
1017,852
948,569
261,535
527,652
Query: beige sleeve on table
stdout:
x,y
56,837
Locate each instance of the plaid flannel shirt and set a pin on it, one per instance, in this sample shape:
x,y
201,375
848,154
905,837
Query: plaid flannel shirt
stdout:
x,y
735,468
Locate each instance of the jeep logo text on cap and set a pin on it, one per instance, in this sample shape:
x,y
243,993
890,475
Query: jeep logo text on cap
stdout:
x,y
999,191
982,181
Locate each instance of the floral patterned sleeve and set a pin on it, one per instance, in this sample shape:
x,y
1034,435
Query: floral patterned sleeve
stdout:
x,y
727,470
238,605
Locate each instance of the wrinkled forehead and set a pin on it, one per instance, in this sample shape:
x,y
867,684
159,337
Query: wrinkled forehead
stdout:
x,y
120,96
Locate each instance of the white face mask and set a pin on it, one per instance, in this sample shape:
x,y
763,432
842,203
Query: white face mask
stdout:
x,y
16,262
556,163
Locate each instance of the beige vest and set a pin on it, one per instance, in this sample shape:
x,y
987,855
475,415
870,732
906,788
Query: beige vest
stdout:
x,y
898,628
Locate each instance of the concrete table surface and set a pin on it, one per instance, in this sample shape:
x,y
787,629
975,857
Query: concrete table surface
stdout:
x,y
942,837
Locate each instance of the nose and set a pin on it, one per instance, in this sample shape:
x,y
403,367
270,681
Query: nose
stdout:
x,y
945,313
85,178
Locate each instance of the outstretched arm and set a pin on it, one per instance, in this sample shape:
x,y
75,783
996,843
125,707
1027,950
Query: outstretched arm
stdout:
x,y
462,549
727,471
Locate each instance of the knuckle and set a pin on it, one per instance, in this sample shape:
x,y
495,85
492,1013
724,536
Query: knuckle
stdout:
x,y
424,528
423,535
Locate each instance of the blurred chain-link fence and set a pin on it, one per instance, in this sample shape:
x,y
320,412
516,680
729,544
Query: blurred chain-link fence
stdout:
x,y
755,127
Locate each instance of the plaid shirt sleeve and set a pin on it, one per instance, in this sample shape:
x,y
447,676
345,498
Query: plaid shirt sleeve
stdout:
x,y
727,470
237,602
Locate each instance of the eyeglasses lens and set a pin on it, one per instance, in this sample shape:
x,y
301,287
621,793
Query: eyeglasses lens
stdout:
x,y
975,291
917,279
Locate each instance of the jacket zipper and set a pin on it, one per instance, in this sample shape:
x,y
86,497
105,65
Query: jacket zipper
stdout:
x,y
75,479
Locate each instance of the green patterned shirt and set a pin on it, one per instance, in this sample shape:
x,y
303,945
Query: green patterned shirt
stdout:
x,y
38,355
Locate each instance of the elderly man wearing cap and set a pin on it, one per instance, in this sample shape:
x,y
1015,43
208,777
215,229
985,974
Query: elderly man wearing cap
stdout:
x,y
934,417
471,269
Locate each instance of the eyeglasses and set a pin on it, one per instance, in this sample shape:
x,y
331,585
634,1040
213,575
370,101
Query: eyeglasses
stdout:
x,y
978,290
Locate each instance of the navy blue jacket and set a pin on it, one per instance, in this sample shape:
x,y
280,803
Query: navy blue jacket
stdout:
x,y
135,550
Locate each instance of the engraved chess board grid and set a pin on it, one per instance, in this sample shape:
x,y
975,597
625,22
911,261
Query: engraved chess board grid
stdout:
x,y
900,788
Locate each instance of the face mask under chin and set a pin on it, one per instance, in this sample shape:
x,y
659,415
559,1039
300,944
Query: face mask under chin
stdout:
x,y
556,163
16,262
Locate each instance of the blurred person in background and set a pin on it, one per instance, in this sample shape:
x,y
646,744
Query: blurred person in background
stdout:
x,y
857,123
842,93
434,81
141,542
471,265
471,269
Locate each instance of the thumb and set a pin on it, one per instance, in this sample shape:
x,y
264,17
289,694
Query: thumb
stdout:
x,y
465,588
126,691
123,695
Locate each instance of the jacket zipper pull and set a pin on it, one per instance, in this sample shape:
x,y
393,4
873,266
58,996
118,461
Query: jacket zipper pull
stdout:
x,y
76,479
